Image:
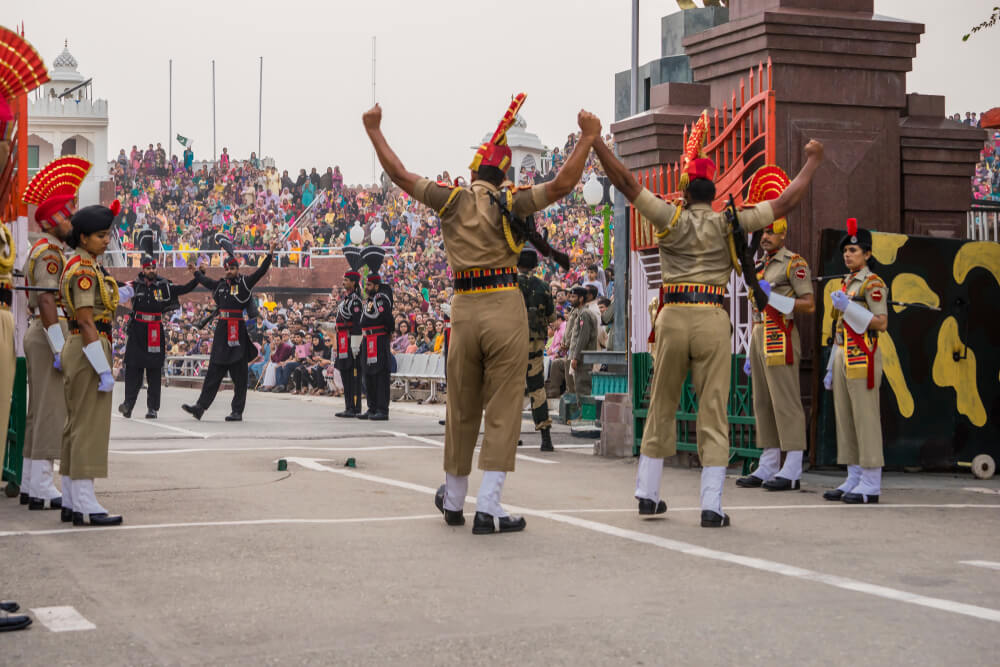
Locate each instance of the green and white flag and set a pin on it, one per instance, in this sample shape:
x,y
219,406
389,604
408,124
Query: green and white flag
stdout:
x,y
183,141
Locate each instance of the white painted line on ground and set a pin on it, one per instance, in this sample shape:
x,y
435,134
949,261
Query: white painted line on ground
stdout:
x,y
212,524
191,450
828,506
574,446
689,549
980,489
178,429
420,438
988,564
62,619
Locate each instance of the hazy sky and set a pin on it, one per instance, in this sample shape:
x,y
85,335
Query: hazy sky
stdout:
x,y
445,70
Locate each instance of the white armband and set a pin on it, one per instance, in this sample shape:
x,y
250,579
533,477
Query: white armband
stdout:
x,y
55,335
781,303
858,317
125,292
95,355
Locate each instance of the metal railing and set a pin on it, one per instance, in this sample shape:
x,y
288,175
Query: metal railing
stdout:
x,y
983,223
181,258
185,367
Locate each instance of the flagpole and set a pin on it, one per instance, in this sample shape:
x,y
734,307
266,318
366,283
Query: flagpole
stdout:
x,y
170,122
374,182
260,107
213,112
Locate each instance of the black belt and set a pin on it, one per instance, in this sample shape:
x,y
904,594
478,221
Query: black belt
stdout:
x,y
484,280
693,297
6,296
103,328
148,317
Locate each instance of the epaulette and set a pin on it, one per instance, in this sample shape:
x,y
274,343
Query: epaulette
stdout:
x,y
518,188
446,184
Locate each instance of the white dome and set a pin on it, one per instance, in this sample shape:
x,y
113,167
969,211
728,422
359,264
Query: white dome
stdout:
x,y
65,60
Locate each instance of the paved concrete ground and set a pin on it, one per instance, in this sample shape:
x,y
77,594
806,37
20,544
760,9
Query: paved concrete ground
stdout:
x,y
224,560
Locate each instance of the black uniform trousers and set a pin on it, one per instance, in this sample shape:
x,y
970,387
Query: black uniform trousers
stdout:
x,y
377,389
133,383
213,379
350,377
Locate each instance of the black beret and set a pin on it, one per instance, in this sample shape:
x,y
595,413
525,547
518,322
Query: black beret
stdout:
x,y
528,259
90,219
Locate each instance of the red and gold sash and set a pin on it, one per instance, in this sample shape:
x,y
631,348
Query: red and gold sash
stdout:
x,y
778,350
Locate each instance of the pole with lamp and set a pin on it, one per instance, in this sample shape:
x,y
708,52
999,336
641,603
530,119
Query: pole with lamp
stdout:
x,y
593,194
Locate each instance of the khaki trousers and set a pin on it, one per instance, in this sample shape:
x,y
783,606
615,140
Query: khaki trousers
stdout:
x,y
7,365
777,405
46,395
859,422
88,414
535,382
558,375
486,368
695,338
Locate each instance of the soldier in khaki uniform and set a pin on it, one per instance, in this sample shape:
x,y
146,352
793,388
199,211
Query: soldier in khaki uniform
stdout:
x,y
54,190
90,296
775,350
855,371
489,340
8,255
693,331
584,339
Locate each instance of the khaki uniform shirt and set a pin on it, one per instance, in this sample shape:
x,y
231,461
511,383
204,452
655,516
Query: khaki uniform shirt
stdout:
x,y
43,267
84,284
572,324
8,253
473,233
694,241
788,274
868,290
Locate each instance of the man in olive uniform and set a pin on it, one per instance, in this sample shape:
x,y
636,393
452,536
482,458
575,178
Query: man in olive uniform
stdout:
x,y
584,339
349,336
489,340
145,350
692,329
541,311
855,372
376,324
775,351
231,346
53,189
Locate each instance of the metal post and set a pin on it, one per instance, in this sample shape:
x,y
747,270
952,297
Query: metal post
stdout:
x,y
260,108
214,154
170,113
621,241
374,182
634,102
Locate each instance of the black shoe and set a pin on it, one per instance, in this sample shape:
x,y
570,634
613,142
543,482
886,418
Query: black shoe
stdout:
x,y
378,416
859,499
45,503
363,415
547,440
451,517
150,414
234,417
9,606
195,410
749,482
25,498
102,519
67,515
833,494
782,484
485,524
8,623
441,422
520,443
710,519
347,414
126,410
647,506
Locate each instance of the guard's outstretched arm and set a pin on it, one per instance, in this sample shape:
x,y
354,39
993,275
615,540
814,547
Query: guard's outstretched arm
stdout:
x,y
570,173
789,199
619,176
393,166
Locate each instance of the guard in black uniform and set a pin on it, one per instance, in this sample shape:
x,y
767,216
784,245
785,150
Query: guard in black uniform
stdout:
x,y
349,335
231,346
377,324
153,297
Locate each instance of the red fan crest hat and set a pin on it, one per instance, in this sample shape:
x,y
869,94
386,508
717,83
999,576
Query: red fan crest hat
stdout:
x,y
55,186
768,183
496,152
21,70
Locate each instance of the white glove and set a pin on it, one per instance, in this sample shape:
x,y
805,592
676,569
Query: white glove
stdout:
x,y
828,380
57,364
95,355
746,367
107,382
858,317
125,292
55,335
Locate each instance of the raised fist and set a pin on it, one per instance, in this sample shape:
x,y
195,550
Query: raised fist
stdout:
x,y
814,149
372,118
590,125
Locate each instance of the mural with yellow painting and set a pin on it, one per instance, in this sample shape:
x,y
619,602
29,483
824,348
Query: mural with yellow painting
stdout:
x,y
940,398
